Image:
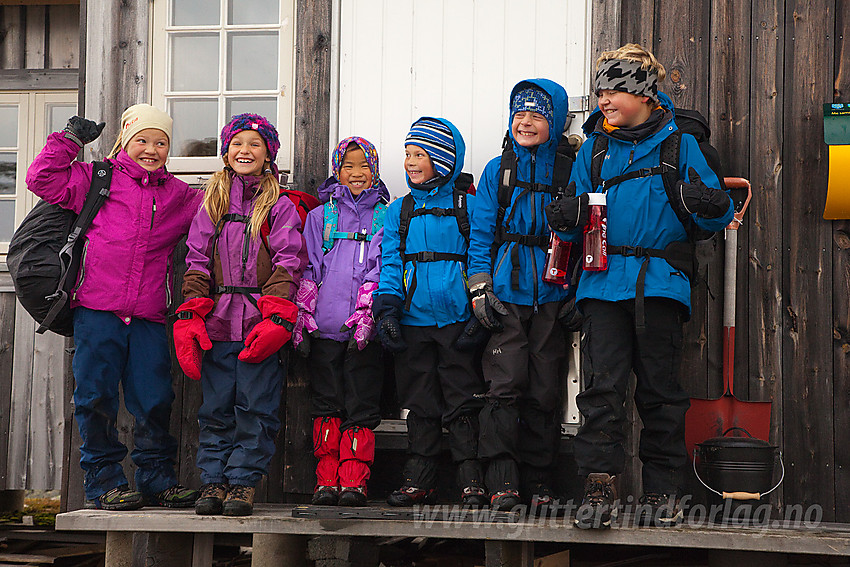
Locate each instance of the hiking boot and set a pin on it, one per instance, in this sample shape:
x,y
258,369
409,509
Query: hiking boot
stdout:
x,y
119,498
599,505
211,500
239,501
504,501
473,496
541,499
352,496
325,496
177,496
660,510
411,495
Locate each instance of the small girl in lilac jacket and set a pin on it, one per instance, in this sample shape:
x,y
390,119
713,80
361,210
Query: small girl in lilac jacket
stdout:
x,y
119,302
335,324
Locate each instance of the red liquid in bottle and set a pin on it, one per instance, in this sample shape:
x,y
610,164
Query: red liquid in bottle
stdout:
x,y
557,261
596,234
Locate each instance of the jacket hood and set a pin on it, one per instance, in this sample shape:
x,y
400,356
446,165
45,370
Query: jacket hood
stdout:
x,y
460,151
589,125
560,110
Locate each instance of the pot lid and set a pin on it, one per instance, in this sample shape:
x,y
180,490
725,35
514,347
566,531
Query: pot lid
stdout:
x,y
743,439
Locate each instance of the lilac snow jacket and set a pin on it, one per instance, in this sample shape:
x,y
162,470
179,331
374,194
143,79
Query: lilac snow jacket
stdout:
x,y
340,272
127,254
242,261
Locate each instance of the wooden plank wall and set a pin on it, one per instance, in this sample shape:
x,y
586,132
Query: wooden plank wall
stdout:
x,y
760,71
39,37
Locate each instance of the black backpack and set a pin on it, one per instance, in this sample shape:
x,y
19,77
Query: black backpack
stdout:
x,y
45,251
463,185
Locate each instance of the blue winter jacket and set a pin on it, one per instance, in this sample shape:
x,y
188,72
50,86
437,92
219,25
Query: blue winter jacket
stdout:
x,y
639,213
529,217
440,297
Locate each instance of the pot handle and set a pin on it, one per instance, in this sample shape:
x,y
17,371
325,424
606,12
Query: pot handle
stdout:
x,y
739,429
739,495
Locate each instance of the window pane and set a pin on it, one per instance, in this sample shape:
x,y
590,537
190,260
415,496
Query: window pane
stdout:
x,y
7,220
9,126
195,12
252,61
253,12
263,106
195,131
8,168
194,62
58,115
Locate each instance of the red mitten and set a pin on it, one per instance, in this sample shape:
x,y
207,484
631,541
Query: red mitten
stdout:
x,y
269,335
190,335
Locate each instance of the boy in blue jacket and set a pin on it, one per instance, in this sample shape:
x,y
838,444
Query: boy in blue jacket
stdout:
x,y
422,309
524,360
634,310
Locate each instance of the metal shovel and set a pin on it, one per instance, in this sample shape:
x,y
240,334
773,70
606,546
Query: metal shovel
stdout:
x,y
708,418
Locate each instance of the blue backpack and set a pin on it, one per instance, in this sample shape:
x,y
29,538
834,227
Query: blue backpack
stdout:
x,y
330,234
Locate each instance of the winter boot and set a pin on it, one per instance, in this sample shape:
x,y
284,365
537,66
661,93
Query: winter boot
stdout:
x,y
356,454
420,476
239,501
326,439
469,478
599,505
503,481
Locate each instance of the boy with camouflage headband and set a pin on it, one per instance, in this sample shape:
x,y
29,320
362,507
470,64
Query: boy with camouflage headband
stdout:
x,y
625,329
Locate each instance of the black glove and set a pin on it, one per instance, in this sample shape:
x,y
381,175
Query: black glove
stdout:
x,y
303,347
568,212
82,130
705,201
474,336
485,304
570,317
387,308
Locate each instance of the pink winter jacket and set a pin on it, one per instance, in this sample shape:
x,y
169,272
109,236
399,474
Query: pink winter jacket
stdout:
x,y
127,256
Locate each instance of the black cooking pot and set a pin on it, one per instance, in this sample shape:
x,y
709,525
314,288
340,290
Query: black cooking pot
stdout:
x,y
737,464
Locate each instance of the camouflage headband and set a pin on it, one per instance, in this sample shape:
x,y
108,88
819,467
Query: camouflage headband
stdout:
x,y
626,76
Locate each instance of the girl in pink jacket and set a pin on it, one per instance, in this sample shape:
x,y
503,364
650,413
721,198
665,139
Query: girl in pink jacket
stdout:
x,y
119,302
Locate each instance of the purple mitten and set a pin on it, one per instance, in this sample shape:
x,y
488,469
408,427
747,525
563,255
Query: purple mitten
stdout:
x,y
305,299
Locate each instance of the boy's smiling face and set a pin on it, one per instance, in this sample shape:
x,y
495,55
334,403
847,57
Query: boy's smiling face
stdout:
x,y
417,164
355,172
530,128
624,110
149,148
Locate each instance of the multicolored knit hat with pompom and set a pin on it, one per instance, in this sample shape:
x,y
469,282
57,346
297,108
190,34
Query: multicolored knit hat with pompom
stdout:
x,y
368,149
255,122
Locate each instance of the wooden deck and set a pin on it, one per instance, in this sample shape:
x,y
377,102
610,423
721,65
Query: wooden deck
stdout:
x,y
769,544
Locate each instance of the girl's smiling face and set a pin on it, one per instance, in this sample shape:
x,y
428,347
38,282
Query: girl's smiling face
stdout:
x,y
417,164
247,153
355,172
149,148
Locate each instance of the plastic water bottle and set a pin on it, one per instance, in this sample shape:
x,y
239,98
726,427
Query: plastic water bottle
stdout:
x,y
557,261
596,234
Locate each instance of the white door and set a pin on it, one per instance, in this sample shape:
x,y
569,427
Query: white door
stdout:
x,y
458,59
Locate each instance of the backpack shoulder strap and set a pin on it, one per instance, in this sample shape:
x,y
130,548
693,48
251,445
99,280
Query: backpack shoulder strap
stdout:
x,y
669,162
378,217
460,194
406,214
597,157
331,216
565,156
507,180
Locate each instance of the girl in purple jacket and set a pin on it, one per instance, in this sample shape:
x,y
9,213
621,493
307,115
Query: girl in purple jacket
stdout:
x,y
119,302
243,266
335,324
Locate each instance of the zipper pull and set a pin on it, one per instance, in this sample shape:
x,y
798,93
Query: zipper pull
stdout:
x,y
362,246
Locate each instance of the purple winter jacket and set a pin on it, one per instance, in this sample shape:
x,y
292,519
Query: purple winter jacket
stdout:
x,y
243,261
127,254
341,271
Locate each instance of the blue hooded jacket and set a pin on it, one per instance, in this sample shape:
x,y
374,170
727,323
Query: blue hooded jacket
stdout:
x,y
639,213
529,217
440,297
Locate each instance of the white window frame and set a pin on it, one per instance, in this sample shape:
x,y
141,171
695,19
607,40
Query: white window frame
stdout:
x,y
32,135
159,72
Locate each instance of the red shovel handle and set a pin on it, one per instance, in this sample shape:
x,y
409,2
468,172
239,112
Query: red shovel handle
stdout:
x,y
738,183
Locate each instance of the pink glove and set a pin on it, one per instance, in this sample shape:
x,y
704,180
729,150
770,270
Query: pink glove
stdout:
x,y
305,299
269,335
190,335
361,320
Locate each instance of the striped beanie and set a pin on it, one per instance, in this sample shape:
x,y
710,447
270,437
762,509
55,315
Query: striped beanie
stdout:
x,y
437,140
255,122
368,149
535,100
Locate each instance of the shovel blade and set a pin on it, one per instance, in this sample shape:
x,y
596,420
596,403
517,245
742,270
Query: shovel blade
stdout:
x,y
710,418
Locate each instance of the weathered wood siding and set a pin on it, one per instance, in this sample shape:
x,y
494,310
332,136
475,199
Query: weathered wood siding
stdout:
x,y
760,72
40,36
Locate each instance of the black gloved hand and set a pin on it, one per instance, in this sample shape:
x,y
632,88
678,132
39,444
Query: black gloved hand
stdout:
x,y
568,212
705,201
474,336
570,317
82,130
485,304
387,309
303,347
